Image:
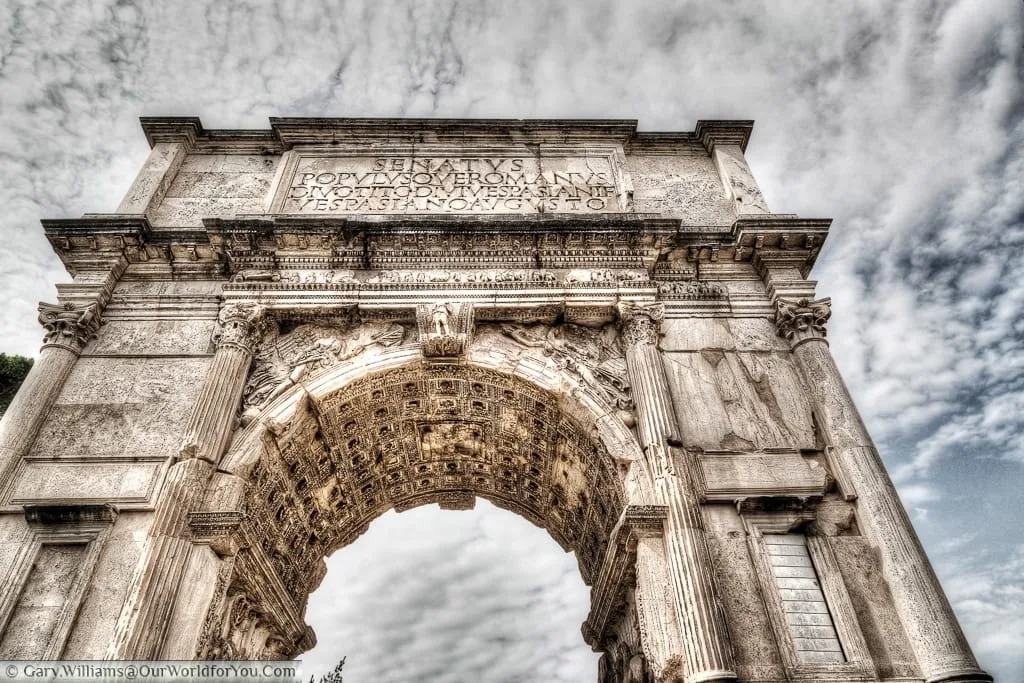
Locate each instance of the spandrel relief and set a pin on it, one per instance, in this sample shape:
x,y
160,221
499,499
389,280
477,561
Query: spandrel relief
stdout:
x,y
286,356
594,356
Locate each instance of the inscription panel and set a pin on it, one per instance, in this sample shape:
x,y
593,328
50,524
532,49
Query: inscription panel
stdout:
x,y
550,182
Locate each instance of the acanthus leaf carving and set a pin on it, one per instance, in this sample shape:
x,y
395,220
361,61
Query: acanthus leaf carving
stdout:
x,y
240,325
640,323
68,324
801,319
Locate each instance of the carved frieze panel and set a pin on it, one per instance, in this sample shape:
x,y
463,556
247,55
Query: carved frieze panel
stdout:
x,y
593,356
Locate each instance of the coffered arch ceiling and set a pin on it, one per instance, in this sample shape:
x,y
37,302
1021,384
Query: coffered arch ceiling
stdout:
x,y
426,433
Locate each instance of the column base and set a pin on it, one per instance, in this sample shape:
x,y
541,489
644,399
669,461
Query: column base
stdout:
x,y
961,676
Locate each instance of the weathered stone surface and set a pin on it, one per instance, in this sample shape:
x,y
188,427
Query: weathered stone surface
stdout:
x,y
155,338
734,476
38,609
685,186
121,407
748,401
86,482
757,656
286,333
102,604
724,333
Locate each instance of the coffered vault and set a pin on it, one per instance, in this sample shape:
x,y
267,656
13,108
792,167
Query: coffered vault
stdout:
x,y
282,334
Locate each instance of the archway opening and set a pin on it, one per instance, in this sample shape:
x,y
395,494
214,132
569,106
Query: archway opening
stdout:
x,y
433,595
397,439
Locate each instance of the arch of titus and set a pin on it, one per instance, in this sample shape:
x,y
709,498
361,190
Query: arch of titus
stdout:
x,y
283,333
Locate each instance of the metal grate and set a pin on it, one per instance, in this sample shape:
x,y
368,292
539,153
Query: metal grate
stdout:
x,y
810,624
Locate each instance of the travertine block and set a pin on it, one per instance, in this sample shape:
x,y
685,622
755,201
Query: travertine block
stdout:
x,y
154,337
748,401
757,657
112,407
102,604
727,334
86,482
684,186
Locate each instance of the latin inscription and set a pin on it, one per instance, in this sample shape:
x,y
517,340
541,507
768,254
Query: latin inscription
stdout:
x,y
452,185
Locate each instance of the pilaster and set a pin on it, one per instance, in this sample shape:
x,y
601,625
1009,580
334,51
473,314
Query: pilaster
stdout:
x,y
145,619
701,618
152,182
939,644
69,327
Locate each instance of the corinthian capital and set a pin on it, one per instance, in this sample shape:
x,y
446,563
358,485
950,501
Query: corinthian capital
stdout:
x,y
240,325
640,322
802,319
69,325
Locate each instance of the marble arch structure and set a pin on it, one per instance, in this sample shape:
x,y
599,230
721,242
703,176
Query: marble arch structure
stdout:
x,y
280,334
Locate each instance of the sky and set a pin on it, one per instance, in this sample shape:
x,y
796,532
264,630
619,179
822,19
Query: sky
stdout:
x,y
903,121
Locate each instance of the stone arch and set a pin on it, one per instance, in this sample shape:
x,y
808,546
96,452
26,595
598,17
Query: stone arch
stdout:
x,y
308,475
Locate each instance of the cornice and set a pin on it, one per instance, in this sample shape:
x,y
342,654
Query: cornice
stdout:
x,y
780,240
288,132
180,129
402,241
724,132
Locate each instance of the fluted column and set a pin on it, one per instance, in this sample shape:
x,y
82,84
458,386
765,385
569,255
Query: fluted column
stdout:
x,y
142,625
933,629
707,650
68,329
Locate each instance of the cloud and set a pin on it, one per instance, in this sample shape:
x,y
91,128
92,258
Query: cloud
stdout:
x,y
904,121
481,596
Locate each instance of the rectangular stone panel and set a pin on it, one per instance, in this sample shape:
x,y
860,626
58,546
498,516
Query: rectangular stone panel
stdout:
x,y
462,181
153,337
189,212
38,609
728,476
121,407
727,334
685,187
86,482
739,401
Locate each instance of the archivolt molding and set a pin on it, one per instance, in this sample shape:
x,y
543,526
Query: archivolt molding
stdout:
x,y
340,447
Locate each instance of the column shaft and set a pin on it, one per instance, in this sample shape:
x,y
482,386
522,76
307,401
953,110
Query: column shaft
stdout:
x,y
705,636
26,413
69,328
939,644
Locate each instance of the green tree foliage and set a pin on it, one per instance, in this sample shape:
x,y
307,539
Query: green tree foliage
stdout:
x,y
13,370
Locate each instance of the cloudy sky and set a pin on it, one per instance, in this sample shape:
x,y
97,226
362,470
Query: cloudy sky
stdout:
x,y
904,121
